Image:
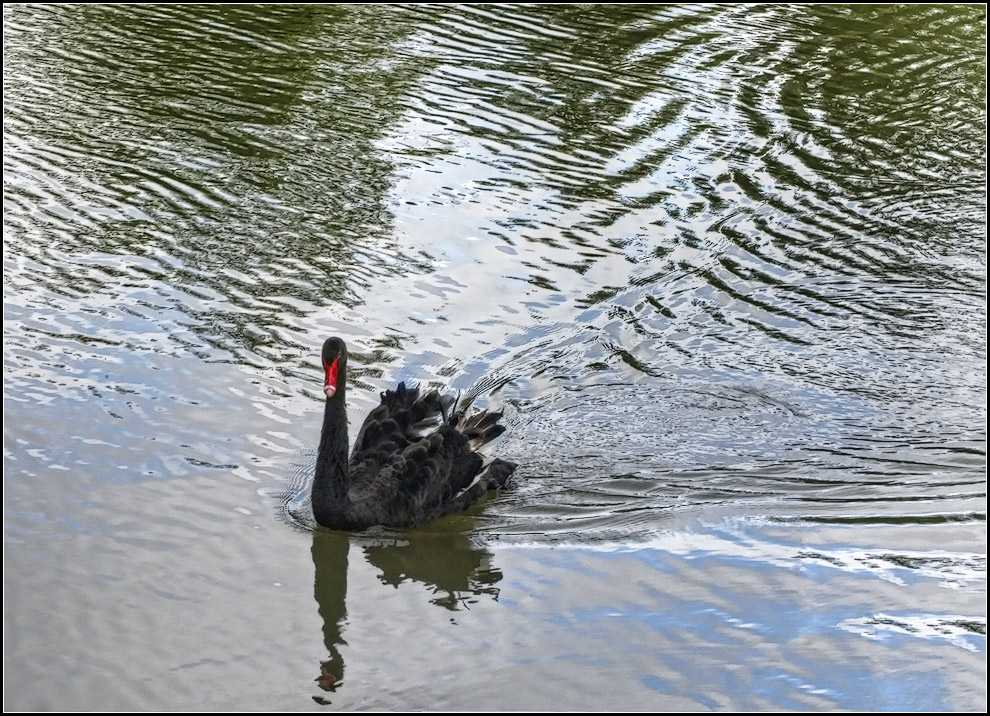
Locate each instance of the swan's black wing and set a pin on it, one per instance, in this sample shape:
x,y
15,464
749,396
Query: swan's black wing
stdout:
x,y
402,419
414,461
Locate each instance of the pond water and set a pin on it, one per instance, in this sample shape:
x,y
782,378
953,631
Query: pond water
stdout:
x,y
724,267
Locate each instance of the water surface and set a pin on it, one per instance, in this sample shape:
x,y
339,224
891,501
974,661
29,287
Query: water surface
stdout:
x,y
724,268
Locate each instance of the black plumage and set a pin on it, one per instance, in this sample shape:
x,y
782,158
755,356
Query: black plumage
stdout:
x,y
415,458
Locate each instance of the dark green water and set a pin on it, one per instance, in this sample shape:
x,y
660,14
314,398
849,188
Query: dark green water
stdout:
x,y
723,266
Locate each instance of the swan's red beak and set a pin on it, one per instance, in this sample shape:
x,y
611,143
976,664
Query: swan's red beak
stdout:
x,y
330,384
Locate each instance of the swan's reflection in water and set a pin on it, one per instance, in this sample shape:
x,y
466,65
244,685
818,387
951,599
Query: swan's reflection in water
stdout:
x,y
457,570
330,559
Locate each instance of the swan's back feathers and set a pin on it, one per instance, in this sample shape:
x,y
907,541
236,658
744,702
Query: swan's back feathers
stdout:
x,y
414,460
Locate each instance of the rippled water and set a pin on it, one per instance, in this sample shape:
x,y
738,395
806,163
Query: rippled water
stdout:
x,y
724,267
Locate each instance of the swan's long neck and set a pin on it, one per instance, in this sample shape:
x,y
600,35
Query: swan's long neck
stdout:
x,y
331,502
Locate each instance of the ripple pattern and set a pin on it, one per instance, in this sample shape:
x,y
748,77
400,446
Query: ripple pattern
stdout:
x,y
721,264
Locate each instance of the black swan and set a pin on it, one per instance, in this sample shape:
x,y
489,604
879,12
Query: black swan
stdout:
x,y
413,461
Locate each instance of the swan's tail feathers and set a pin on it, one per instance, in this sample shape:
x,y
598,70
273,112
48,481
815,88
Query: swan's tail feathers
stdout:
x,y
499,472
482,428
496,474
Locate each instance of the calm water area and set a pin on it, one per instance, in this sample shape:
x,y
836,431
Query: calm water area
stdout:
x,y
723,266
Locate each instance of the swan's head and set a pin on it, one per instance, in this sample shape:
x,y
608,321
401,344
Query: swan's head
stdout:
x,y
334,364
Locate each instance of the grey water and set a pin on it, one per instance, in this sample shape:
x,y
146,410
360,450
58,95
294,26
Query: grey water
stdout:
x,y
723,267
